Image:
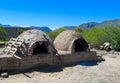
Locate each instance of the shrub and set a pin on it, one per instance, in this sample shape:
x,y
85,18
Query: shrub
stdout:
x,y
80,30
97,36
53,34
94,36
20,31
2,34
113,36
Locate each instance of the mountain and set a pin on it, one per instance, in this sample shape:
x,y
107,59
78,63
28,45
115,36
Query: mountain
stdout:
x,y
70,27
5,25
45,28
115,22
88,25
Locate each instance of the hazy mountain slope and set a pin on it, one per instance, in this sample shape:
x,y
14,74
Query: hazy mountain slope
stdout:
x,y
45,28
115,22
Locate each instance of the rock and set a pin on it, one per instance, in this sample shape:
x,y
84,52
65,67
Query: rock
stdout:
x,y
99,59
112,52
1,78
101,47
4,75
106,46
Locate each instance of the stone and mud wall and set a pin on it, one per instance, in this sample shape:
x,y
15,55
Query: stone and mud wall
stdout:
x,y
12,63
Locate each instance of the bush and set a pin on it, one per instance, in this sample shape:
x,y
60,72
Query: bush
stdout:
x,y
20,31
2,34
94,36
53,34
97,36
113,36
80,30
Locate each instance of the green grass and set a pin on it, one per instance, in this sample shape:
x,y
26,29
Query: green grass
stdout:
x,y
55,33
2,42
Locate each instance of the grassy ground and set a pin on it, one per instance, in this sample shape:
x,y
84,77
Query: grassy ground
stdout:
x,y
2,43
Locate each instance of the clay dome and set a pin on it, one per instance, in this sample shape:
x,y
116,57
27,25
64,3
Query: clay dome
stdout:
x,y
70,41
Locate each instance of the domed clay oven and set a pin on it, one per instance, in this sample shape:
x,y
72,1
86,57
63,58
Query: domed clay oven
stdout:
x,y
69,42
31,42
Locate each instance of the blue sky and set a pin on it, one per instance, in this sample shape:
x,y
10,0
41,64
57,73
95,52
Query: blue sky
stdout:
x,y
57,13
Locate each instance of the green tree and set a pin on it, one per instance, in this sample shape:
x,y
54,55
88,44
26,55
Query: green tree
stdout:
x,y
2,33
53,34
20,31
80,30
113,36
95,36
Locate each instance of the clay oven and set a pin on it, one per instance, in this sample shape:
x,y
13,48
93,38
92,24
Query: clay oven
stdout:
x,y
69,42
31,42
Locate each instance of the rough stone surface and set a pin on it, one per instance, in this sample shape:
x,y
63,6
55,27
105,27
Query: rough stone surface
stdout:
x,y
84,72
66,41
25,43
4,75
33,48
12,63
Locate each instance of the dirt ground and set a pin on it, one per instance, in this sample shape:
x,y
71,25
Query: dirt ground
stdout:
x,y
107,71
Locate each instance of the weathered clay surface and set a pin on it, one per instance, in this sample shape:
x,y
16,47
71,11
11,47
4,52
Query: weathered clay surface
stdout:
x,y
10,63
34,48
69,41
25,44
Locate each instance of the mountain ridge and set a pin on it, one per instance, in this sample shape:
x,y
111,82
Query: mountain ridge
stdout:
x,y
114,22
44,28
